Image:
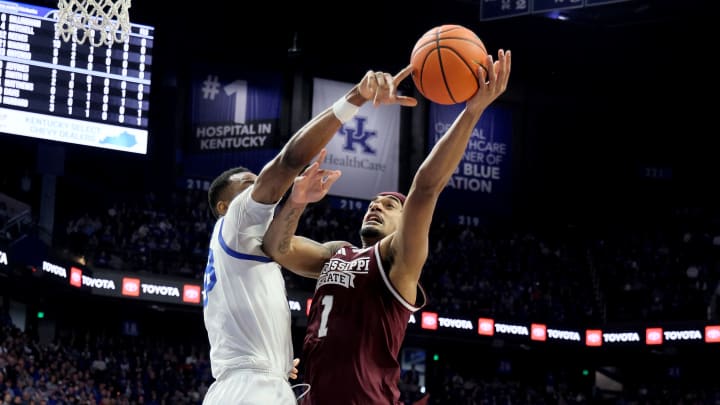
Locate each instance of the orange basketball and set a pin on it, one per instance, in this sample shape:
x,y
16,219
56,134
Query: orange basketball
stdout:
x,y
445,61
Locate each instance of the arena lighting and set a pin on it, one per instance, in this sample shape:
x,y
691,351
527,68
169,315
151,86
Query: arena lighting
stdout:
x,y
557,15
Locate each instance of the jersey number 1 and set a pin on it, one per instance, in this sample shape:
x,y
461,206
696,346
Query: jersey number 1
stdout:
x,y
327,303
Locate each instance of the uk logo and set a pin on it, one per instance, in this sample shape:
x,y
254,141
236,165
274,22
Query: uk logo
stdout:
x,y
358,136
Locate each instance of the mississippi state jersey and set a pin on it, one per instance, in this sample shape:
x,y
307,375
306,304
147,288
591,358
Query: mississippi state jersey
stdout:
x,y
356,326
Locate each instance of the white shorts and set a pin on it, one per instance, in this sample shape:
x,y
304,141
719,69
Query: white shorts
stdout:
x,y
250,387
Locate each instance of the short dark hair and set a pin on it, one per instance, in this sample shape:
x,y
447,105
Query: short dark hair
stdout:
x,y
218,186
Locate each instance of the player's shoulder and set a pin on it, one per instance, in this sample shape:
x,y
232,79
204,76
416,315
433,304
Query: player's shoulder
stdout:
x,y
339,246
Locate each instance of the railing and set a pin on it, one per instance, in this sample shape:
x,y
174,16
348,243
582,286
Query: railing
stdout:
x,y
19,218
16,226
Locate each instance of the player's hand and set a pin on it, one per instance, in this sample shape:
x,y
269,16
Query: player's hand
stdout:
x,y
496,83
381,88
293,374
314,183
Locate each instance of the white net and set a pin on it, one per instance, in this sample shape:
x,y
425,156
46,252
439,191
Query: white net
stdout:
x,y
100,22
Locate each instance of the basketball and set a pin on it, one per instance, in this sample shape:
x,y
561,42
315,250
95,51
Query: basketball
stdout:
x,y
445,64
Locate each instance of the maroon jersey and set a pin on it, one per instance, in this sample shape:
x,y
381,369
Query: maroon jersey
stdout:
x,y
356,327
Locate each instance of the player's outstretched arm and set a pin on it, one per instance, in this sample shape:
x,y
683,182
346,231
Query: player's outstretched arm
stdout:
x,y
277,176
408,247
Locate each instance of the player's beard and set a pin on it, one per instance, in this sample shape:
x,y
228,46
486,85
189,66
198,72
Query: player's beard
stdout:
x,y
370,232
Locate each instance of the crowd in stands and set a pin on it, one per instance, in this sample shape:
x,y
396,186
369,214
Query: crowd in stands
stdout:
x,y
145,234
664,267
93,367
80,367
564,274
509,274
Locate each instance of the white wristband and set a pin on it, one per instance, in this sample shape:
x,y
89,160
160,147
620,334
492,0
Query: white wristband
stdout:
x,y
344,110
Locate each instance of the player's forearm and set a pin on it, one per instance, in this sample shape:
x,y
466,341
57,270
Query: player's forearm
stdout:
x,y
307,142
445,156
277,242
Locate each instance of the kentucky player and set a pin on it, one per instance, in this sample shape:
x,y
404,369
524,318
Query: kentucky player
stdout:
x,y
245,306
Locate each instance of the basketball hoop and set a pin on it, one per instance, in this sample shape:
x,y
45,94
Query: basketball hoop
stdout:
x,y
101,22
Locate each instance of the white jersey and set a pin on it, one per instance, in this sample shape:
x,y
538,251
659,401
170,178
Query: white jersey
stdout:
x,y
245,305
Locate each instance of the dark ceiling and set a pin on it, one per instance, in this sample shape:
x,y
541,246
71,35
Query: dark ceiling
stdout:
x,y
372,31
621,83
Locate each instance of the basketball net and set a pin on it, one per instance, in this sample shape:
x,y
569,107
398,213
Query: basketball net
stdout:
x,y
100,22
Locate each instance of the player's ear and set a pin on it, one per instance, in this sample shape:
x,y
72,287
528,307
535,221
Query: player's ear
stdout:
x,y
221,207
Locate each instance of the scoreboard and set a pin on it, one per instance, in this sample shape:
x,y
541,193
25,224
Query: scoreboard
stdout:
x,y
70,92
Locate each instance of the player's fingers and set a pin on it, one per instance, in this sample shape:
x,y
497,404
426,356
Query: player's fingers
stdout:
x,y
506,63
384,93
400,76
492,72
380,78
311,169
381,88
328,177
387,84
331,177
407,101
296,360
321,155
501,72
499,68
368,85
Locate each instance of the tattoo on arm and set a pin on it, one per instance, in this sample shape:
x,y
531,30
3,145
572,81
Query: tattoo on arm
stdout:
x,y
290,222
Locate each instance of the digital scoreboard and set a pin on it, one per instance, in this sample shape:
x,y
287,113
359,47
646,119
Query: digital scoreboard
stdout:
x,y
70,92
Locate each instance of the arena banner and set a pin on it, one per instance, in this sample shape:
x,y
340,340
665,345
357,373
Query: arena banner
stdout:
x,y
234,121
74,278
145,287
365,149
480,187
